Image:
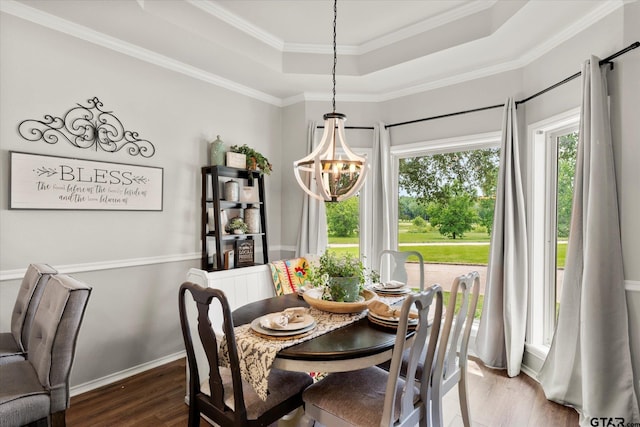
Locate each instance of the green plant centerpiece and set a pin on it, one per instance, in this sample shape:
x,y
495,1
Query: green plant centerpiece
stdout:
x,y
342,275
255,159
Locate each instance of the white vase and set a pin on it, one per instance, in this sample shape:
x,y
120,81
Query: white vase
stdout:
x,y
252,219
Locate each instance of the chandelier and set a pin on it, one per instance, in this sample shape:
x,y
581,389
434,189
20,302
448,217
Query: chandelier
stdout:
x,y
337,171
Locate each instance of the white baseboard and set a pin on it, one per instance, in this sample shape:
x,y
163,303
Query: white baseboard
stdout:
x,y
109,379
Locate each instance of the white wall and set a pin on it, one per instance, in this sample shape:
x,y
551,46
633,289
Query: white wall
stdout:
x,y
132,315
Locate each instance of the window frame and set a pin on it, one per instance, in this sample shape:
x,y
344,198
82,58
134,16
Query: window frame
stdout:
x,y
542,214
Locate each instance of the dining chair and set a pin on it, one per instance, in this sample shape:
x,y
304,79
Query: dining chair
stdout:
x,y
376,397
451,362
15,344
393,266
226,399
36,390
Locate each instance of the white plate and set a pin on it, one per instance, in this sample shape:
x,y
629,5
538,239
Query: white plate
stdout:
x,y
255,325
395,291
390,320
293,326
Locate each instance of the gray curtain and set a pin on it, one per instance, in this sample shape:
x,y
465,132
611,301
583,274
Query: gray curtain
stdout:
x,y
382,198
501,334
589,363
312,238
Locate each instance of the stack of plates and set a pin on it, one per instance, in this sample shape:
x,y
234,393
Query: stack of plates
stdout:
x,y
389,322
290,329
392,288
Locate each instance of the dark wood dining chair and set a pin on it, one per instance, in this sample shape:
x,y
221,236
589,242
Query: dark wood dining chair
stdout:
x,y
376,397
15,343
230,401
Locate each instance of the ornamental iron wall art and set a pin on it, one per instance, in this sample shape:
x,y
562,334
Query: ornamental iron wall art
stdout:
x,y
87,127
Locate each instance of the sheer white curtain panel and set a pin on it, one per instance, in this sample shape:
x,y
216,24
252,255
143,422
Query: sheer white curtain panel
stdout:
x,y
501,334
383,198
312,237
589,362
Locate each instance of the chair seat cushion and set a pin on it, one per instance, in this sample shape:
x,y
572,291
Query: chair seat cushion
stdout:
x,y
282,385
9,350
357,397
22,397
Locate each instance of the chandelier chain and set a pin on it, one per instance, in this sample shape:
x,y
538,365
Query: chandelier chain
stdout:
x,y
335,56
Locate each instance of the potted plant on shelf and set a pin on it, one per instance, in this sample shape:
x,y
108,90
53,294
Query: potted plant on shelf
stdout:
x,y
342,275
255,159
237,225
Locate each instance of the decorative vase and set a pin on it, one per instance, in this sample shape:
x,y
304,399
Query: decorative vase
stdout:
x,y
344,289
252,219
216,152
232,191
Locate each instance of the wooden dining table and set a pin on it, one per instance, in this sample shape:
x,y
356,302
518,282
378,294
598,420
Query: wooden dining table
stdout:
x,y
358,345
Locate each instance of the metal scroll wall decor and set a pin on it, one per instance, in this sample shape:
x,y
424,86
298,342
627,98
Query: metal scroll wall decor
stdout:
x,y
87,127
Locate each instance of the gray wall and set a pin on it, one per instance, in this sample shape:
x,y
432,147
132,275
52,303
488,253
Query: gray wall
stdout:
x,y
132,315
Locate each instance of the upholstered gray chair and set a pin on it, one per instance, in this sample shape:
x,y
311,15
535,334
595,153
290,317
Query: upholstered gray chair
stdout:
x,y
392,266
226,399
374,397
37,389
15,344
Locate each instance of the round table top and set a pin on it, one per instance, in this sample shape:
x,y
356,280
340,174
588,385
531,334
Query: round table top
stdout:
x,y
360,340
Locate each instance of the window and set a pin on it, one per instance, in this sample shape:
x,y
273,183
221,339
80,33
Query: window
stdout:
x,y
553,158
446,193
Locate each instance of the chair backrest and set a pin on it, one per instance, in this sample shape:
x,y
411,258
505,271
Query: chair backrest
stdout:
x,y
393,266
288,275
454,339
413,403
54,334
33,284
215,407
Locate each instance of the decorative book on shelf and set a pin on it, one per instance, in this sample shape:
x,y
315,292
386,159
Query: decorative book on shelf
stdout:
x,y
229,193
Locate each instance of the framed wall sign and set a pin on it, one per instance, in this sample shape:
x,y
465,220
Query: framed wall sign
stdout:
x,y
48,182
244,253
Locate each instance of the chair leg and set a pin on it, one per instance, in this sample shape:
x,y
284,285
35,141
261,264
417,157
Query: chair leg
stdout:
x,y
464,396
194,416
436,407
58,419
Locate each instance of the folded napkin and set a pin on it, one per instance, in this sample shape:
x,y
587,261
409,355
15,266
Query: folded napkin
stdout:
x,y
282,319
383,309
393,284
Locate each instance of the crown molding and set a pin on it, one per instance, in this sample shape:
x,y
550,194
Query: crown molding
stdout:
x,y
235,21
87,34
75,30
426,25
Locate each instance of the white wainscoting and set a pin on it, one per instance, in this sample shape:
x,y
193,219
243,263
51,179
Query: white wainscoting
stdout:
x,y
241,286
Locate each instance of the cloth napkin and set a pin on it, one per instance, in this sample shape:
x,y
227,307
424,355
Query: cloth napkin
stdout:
x,y
393,284
282,319
383,309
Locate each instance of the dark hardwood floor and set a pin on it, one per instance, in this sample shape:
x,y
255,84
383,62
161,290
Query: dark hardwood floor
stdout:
x,y
156,398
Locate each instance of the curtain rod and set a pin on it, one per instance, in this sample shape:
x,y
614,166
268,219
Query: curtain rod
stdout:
x,y
608,59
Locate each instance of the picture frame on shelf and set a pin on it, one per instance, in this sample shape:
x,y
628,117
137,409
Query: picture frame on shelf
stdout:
x,y
245,253
236,160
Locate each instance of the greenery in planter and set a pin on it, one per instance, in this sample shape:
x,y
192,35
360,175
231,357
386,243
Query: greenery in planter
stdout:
x,y
237,223
262,163
333,265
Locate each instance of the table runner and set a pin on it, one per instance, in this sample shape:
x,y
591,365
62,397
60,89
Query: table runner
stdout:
x,y
257,353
